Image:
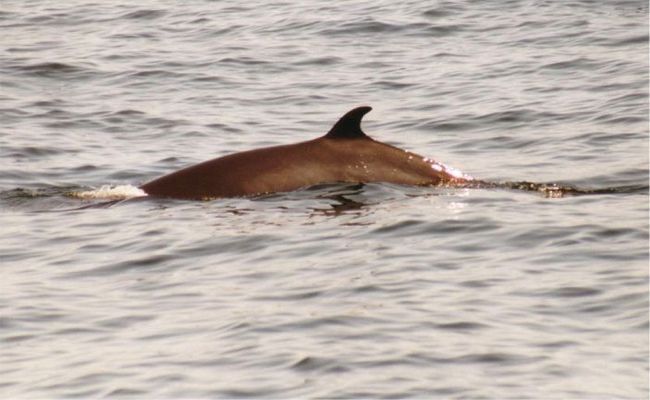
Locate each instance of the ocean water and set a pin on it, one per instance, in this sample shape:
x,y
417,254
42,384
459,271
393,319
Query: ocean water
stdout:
x,y
335,291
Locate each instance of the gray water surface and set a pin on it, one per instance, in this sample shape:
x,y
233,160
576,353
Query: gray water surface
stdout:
x,y
338,291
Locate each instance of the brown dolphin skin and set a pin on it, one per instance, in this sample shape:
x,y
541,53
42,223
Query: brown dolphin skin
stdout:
x,y
344,154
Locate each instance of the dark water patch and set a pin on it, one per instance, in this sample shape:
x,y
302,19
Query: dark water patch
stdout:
x,y
617,119
558,344
77,331
152,262
84,168
501,142
303,295
242,393
19,255
375,27
130,175
631,40
125,392
481,283
542,41
143,14
231,9
438,30
368,289
223,127
447,126
566,292
609,87
36,152
124,321
12,116
463,326
463,226
200,21
69,392
244,60
208,78
442,11
319,364
74,124
290,27
49,103
127,112
607,138
161,74
367,26
222,32
319,61
56,114
50,67
594,309
445,54
130,36
496,359
96,377
170,160
392,84
399,226
96,204
5,15
626,104
35,315
418,227
373,64
496,120
614,233
167,378
18,338
48,18
116,121
499,359
523,115
630,180
579,63
54,70
318,323
243,245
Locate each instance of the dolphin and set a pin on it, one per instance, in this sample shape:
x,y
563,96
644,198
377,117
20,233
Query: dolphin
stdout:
x,y
345,154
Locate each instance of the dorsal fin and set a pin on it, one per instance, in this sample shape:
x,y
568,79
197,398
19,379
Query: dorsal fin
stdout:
x,y
349,126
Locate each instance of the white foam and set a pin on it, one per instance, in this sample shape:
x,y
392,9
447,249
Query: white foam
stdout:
x,y
110,192
456,173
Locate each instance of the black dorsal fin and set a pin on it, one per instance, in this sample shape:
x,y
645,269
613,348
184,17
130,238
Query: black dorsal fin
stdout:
x,y
349,126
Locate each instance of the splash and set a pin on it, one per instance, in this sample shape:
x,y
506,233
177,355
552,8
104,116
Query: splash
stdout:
x,y
110,192
440,167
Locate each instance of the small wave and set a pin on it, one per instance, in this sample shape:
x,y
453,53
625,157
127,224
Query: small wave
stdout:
x,y
144,14
50,69
109,192
54,69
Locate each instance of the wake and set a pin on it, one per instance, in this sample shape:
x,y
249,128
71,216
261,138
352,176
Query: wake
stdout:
x,y
554,190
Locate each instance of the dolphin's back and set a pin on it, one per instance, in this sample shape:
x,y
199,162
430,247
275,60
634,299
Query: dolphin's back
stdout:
x,y
344,154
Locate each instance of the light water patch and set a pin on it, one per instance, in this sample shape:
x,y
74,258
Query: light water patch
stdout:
x,y
109,192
